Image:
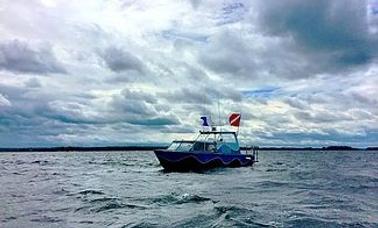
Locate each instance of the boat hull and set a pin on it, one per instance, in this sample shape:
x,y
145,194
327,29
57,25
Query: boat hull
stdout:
x,y
184,161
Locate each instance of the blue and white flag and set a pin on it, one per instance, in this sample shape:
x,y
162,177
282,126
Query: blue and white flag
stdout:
x,y
205,121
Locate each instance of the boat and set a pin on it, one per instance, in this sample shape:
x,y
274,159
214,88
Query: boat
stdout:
x,y
210,149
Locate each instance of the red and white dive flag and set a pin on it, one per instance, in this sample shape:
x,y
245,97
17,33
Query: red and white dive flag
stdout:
x,y
234,119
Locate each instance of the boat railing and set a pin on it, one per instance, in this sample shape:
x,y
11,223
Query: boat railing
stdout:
x,y
253,151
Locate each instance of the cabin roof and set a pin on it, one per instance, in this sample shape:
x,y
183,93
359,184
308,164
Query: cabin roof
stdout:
x,y
183,141
218,132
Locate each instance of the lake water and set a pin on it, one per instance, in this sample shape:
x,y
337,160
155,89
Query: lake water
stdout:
x,y
129,189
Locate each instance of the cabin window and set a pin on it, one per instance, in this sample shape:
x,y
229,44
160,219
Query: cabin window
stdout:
x,y
204,146
227,138
227,144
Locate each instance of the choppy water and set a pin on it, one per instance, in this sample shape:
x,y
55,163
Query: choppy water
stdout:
x,y
129,189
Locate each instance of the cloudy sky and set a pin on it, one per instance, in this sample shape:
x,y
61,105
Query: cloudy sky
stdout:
x,y
118,72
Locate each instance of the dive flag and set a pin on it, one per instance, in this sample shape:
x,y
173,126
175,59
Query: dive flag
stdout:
x,y
205,121
234,119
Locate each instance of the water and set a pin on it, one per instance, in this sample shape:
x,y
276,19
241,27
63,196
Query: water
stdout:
x,y
129,189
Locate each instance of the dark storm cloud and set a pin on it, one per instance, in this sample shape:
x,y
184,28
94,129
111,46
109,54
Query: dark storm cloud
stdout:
x,y
335,28
17,56
119,60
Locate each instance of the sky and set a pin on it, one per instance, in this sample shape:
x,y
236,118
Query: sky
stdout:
x,y
132,72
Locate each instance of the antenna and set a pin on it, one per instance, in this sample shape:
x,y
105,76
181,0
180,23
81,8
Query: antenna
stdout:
x,y
219,124
218,113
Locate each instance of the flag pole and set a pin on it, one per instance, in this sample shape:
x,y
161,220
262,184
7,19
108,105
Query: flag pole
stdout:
x,y
220,126
239,125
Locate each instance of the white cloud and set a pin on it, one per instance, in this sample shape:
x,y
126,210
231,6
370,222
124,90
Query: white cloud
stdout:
x,y
4,101
112,72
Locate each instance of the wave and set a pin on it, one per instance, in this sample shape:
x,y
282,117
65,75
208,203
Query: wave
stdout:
x,y
103,199
116,205
175,198
91,191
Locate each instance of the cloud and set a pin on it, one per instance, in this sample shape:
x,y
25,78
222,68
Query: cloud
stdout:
x,y
159,121
292,39
17,56
301,73
205,94
33,83
141,108
232,12
333,32
119,60
4,101
253,58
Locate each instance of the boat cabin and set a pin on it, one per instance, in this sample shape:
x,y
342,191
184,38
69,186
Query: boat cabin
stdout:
x,y
223,142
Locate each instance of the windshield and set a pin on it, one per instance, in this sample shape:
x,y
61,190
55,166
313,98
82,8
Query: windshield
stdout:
x,y
180,146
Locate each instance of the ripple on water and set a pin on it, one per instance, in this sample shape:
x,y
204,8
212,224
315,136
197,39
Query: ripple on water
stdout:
x,y
46,219
91,191
272,184
61,191
276,170
139,225
175,198
103,199
109,206
7,219
223,216
318,222
40,162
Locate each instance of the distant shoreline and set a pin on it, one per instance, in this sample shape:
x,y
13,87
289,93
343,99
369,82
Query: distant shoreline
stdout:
x,y
148,148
